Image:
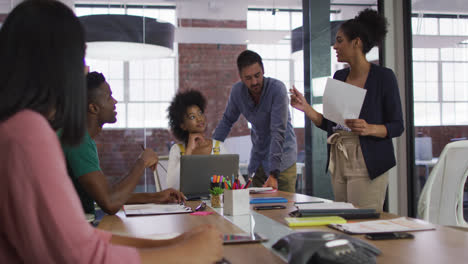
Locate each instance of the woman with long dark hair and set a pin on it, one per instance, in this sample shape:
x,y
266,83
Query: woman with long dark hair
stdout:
x,y
361,153
42,87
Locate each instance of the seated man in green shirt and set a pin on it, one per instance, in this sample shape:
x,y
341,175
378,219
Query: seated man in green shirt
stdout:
x,y
83,161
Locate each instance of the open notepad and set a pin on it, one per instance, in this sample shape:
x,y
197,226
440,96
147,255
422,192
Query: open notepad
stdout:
x,y
155,209
401,224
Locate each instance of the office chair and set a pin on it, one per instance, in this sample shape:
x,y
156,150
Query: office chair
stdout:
x,y
160,174
441,200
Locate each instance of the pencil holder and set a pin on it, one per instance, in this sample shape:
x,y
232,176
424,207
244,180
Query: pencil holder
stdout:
x,y
236,202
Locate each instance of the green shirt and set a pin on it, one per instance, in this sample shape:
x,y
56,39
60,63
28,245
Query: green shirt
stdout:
x,y
82,159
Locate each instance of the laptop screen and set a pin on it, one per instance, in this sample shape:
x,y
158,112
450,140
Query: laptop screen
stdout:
x,y
196,172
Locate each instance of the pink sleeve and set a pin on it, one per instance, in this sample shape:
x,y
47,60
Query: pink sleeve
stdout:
x,y
42,218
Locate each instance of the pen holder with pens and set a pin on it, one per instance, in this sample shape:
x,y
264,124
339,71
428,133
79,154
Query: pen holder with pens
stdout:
x,y
236,202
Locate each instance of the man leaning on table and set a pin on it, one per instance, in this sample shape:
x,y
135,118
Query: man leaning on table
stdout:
x,y
264,103
83,161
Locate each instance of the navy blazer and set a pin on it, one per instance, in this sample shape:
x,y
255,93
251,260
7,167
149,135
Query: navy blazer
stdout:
x,y
381,106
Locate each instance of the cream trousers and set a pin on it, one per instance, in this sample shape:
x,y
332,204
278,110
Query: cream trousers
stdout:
x,y
350,179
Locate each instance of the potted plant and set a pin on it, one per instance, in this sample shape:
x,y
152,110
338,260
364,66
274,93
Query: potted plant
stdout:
x,y
216,193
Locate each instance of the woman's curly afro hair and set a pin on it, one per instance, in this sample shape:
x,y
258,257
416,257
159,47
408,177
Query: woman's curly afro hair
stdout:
x,y
178,108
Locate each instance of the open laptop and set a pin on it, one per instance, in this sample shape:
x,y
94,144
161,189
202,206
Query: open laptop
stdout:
x,y
196,172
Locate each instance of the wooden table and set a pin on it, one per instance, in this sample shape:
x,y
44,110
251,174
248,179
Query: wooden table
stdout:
x,y
443,245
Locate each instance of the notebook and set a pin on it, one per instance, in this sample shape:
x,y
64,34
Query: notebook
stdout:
x,y
155,209
314,221
261,190
196,171
261,200
345,210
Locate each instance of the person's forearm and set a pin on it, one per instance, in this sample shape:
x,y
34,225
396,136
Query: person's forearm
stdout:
x,y
314,116
379,131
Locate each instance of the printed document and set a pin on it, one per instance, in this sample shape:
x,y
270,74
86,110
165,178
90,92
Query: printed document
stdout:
x,y
402,224
155,209
342,101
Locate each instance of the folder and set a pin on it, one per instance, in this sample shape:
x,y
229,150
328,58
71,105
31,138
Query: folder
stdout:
x,y
314,221
342,209
345,213
262,200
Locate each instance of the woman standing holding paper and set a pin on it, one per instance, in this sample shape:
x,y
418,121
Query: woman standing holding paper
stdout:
x,y
361,153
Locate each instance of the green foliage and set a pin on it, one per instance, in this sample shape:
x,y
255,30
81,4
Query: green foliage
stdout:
x,y
216,191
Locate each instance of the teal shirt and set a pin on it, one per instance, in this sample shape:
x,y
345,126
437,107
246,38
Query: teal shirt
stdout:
x,y
82,159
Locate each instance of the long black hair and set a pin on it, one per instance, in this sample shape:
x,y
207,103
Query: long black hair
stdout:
x,y
369,26
178,108
42,50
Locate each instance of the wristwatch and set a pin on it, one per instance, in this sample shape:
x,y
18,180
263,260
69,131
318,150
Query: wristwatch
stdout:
x,y
275,173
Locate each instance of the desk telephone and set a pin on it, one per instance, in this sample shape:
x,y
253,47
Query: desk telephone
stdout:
x,y
326,248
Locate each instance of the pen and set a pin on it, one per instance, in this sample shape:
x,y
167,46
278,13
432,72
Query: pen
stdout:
x,y
248,183
311,202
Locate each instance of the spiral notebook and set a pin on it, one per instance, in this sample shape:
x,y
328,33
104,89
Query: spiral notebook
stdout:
x,y
155,209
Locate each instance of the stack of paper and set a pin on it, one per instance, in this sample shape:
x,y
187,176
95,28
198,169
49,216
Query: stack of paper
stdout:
x,y
401,224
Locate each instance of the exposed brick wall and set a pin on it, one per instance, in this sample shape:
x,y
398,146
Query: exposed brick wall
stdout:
x,y
300,133
118,150
441,135
211,69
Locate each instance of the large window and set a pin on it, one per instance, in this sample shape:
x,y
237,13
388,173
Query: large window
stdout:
x,y
439,74
143,88
277,58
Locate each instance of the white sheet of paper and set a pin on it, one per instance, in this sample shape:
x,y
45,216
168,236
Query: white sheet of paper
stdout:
x,y
342,101
401,224
148,209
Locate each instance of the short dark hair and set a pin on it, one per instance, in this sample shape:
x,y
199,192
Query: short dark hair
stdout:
x,y
178,108
247,58
93,81
42,50
369,26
